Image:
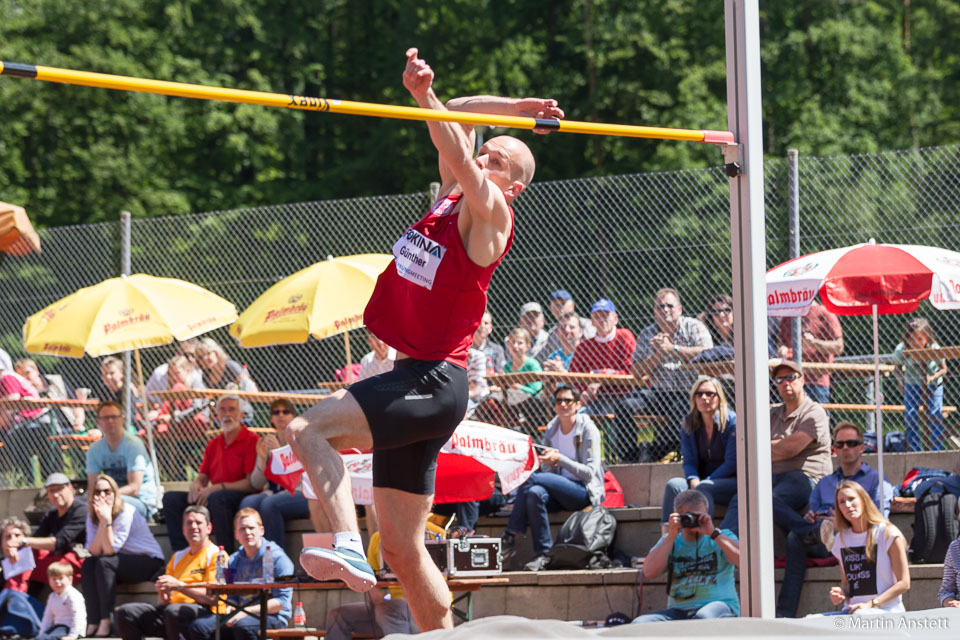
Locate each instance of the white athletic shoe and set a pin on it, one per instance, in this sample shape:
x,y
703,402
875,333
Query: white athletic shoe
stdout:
x,y
339,564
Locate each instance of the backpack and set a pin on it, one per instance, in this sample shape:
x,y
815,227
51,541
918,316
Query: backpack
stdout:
x,y
916,477
935,526
612,490
583,540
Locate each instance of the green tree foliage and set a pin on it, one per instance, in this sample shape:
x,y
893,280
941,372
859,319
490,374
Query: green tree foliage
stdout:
x,y
839,77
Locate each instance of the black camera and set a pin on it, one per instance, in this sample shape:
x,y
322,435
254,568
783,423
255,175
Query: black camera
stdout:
x,y
689,520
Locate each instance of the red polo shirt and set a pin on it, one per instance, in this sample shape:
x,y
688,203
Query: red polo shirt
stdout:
x,y
229,463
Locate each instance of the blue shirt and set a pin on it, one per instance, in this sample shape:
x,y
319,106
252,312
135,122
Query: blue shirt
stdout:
x,y
701,574
691,455
249,569
564,358
821,499
130,455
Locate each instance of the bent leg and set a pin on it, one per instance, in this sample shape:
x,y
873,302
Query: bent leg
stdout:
x,y
348,619
402,520
335,423
660,616
393,616
135,620
177,618
223,505
791,493
672,489
715,609
174,502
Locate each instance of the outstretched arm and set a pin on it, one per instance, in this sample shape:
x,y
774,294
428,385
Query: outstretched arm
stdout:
x,y
454,141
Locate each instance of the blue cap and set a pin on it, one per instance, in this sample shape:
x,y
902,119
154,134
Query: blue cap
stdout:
x,y
563,294
603,305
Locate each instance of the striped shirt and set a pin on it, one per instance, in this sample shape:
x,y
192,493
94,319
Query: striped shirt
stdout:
x,y
950,585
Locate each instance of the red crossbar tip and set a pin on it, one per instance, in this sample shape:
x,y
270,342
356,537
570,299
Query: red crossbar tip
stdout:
x,y
718,137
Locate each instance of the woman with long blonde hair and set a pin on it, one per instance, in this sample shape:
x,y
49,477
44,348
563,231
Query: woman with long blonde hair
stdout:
x,y
874,573
708,445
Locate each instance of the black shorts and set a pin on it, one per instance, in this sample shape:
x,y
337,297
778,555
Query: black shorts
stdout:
x,y
412,411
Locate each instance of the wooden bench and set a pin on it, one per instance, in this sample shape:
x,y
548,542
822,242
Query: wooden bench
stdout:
x,y
892,408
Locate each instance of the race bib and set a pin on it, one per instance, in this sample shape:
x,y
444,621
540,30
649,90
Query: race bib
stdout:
x,y
417,258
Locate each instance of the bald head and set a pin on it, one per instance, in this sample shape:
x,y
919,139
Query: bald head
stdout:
x,y
522,164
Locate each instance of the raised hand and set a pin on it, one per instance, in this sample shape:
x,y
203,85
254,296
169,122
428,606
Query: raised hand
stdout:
x,y
543,108
417,75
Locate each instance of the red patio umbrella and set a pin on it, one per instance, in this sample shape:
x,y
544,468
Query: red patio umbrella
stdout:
x,y
865,279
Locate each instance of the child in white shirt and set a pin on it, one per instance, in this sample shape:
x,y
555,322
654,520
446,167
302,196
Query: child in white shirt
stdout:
x,y
65,616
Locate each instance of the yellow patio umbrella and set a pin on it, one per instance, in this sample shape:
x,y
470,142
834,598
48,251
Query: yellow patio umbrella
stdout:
x,y
322,300
123,314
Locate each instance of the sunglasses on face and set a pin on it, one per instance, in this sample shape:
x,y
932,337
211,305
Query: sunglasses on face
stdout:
x,y
705,394
564,400
789,378
102,492
840,444
281,412
720,312
665,307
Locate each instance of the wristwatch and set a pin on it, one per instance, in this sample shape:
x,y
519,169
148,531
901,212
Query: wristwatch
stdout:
x,y
676,348
715,534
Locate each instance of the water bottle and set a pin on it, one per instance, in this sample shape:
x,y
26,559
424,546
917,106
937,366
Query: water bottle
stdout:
x,y
299,617
267,565
221,566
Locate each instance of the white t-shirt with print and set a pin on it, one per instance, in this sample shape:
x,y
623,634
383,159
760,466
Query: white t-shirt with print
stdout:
x,y
868,579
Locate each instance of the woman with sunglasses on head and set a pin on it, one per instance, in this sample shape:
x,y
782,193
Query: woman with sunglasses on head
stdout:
x,y
708,445
571,476
277,506
122,550
874,572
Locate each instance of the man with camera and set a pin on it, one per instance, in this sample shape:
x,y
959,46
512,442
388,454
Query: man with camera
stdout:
x,y
699,560
848,446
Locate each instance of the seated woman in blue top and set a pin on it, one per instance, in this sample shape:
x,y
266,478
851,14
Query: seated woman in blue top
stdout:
x,y
708,445
122,549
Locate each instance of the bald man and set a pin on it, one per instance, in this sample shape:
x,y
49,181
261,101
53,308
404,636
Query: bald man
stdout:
x,y
427,305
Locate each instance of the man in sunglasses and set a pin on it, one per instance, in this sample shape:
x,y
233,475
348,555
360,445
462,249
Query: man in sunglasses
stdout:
x,y
799,449
848,447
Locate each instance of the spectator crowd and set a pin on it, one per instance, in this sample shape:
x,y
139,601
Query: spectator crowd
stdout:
x,y
105,540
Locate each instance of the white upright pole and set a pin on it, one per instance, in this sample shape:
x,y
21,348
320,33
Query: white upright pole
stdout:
x,y
748,243
878,400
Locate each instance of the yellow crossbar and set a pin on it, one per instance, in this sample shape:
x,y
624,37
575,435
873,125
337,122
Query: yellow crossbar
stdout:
x,y
331,105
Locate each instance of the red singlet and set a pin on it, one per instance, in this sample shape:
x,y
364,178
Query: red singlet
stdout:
x,y
429,301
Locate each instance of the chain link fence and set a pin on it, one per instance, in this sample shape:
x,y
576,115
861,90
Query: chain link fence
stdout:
x,y
618,237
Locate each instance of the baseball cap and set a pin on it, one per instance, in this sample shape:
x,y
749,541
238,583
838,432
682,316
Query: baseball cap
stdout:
x,y
562,294
603,305
56,478
530,306
789,364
